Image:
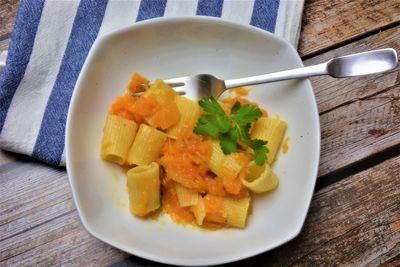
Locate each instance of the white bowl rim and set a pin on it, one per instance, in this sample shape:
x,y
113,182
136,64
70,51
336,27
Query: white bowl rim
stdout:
x,y
144,254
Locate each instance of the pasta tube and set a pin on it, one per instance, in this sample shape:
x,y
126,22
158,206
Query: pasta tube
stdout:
x,y
224,166
186,197
199,211
235,211
190,112
143,184
147,145
272,131
118,135
260,179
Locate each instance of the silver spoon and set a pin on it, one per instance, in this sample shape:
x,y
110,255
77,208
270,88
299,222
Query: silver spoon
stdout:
x,y
375,61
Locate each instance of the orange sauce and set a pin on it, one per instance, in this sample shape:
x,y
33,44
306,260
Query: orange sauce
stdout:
x,y
144,199
240,91
231,101
126,167
285,145
242,193
144,107
186,160
169,114
215,186
158,110
232,184
137,83
214,209
171,205
123,106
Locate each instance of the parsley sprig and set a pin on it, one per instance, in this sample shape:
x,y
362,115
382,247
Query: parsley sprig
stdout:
x,y
231,130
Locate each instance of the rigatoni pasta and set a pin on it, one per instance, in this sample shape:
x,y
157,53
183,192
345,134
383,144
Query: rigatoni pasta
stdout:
x,y
118,135
225,166
147,145
199,211
189,110
236,211
143,183
186,197
272,131
260,179
172,165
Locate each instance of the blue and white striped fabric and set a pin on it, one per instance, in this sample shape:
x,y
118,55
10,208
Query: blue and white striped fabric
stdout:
x,y
51,40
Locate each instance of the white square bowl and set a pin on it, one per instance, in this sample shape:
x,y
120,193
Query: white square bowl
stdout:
x,y
172,47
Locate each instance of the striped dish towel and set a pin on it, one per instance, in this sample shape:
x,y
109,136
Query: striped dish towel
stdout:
x,y
51,40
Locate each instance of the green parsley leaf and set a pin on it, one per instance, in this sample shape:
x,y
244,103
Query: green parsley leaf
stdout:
x,y
254,143
210,105
228,141
259,149
260,155
212,125
243,132
231,129
243,115
207,126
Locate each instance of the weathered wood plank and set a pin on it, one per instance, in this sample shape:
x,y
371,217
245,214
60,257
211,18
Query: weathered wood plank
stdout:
x,y
331,92
42,240
353,222
356,221
4,44
327,23
31,194
358,130
8,12
359,116
46,241
61,241
38,221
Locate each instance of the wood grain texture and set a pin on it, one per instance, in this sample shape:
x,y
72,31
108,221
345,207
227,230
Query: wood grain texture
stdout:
x,y
359,130
331,92
4,45
359,116
327,23
354,222
39,224
8,11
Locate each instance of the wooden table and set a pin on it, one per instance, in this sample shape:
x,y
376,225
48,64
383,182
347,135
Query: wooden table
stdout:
x,y
354,218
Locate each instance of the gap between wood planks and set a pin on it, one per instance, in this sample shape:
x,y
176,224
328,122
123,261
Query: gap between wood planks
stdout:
x,y
364,164
30,229
5,37
346,97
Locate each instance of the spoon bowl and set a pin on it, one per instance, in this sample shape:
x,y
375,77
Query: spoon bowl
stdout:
x,y
365,63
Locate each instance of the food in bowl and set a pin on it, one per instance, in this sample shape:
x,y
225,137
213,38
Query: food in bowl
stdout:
x,y
198,161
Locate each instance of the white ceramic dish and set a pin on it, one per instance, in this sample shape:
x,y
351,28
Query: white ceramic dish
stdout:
x,y
164,48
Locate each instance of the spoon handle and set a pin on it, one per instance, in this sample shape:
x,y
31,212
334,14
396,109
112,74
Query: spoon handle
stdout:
x,y
375,61
304,72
